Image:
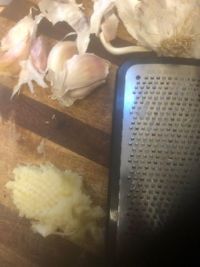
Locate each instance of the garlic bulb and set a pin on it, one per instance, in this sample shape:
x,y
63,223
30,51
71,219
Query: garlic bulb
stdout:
x,y
74,76
70,12
167,27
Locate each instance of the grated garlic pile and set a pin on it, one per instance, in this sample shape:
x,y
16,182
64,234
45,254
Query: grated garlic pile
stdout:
x,y
55,203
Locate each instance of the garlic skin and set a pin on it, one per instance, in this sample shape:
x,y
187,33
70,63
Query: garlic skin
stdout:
x,y
16,44
110,27
27,75
39,53
71,13
101,8
34,68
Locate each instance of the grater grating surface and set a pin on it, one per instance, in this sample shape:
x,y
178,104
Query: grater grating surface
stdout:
x,y
160,152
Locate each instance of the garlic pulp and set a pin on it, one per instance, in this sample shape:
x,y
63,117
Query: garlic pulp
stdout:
x,y
56,203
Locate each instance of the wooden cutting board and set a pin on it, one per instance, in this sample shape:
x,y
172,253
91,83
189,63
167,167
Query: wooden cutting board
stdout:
x,y
76,138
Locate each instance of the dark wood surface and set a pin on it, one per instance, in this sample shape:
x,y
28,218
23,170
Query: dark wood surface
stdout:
x,y
76,138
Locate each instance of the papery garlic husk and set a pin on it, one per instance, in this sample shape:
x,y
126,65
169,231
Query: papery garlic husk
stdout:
x,y
16,45
71,13
100,9
34,68
110,26
39,53
83,74
27,75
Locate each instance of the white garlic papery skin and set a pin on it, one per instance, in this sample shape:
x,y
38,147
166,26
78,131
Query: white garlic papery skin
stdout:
x,y
71,13
39,53
110,27
34,68
16,45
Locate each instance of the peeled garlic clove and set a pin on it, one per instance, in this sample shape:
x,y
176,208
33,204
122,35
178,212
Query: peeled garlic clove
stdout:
x,y
70,12
39,53
27,75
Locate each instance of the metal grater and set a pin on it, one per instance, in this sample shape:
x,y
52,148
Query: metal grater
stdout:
x,y
155,172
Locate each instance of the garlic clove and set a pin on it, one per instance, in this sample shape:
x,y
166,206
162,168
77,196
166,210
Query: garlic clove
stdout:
x,y
71,13
77,94
58,55
39,53
64,66
57,58
89,69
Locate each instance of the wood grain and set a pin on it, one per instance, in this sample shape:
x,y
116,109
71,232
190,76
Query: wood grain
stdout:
x,y
76,138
